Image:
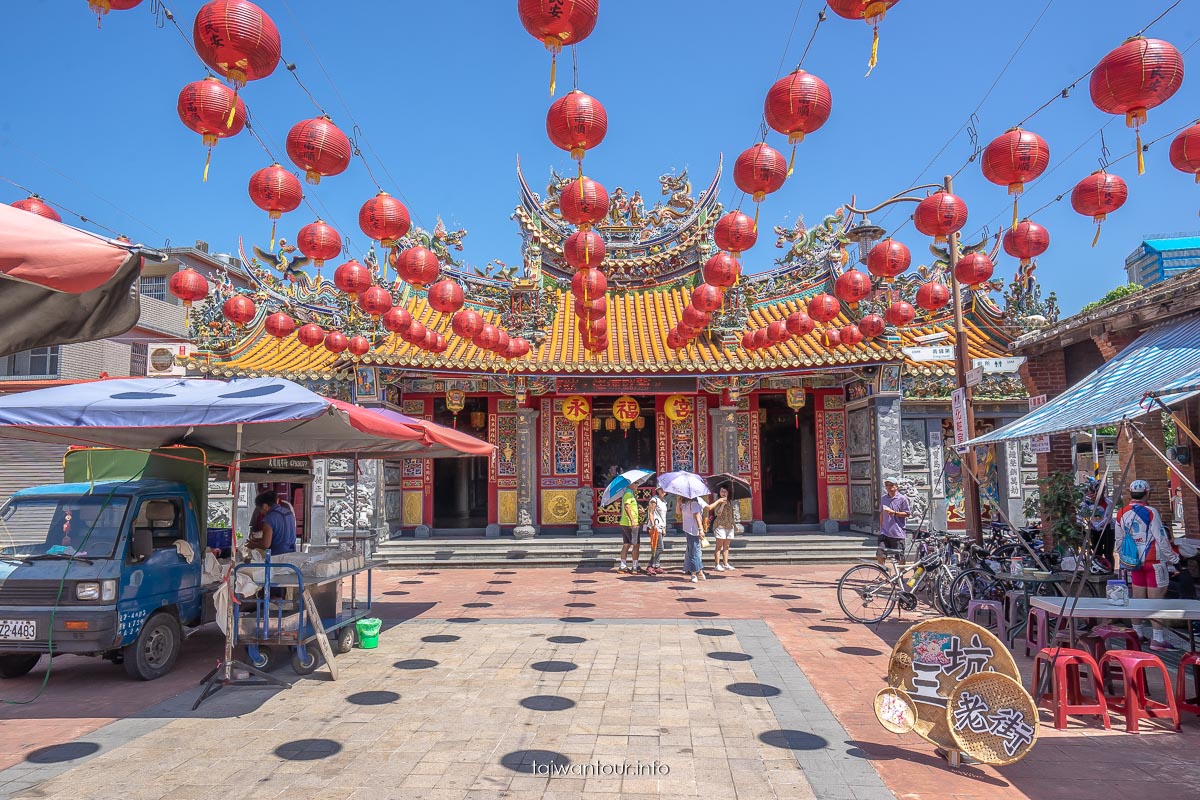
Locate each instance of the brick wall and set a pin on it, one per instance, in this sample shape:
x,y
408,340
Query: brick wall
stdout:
x,y
1144,464
1191,504
1046,373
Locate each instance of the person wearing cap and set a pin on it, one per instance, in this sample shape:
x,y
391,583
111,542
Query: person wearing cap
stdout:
x,y
894,509
1096,515
1148,571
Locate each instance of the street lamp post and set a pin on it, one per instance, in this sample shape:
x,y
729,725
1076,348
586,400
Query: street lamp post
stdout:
x,y
971,510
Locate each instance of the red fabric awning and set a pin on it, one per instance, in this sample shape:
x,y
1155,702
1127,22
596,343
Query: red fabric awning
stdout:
x,y
41,251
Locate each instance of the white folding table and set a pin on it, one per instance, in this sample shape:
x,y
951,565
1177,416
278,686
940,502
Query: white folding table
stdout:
x,y
1096,607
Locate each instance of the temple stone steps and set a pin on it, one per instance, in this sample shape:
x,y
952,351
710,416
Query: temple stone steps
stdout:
x,y
604,551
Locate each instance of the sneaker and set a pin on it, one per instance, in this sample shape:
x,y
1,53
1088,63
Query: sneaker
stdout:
x,y
695,579
622,568
720,568
703,577
729,567
1163,646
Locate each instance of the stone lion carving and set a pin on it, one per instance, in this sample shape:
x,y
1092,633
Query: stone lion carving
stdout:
x,y
585,505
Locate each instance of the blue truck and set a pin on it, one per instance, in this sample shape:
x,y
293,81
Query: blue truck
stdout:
x,y
109,562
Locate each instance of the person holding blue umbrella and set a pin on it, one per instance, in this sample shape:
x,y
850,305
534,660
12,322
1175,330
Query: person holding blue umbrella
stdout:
x,y
623,486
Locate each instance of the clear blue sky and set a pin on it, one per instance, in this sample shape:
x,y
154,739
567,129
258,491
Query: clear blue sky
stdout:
x,y
449,94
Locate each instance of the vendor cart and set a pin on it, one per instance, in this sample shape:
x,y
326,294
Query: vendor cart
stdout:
x,y
281,618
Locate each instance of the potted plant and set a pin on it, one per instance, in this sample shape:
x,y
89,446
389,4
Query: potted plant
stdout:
x,y
1057,505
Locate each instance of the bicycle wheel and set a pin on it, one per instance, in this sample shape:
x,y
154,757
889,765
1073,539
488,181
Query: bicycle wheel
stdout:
x,y
941,590
974,584
866,593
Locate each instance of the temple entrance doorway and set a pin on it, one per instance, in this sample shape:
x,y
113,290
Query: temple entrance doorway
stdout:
x,y
460,485
616,449
789,462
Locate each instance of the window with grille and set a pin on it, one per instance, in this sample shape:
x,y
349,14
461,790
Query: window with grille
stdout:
x,y
28,363
153,286
137,359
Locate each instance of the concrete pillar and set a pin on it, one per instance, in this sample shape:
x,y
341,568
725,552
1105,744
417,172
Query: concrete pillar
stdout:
x,y
888,442
526,474
462,489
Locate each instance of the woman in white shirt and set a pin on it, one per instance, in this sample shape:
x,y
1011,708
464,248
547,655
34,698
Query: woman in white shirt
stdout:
x,y
656,526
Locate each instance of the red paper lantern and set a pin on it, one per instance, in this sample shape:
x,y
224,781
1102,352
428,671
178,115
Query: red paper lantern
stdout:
x,y
237,39
397,320
888,259
276,191
239,309
519,347
310,335
830,338
798,104
735,232
279,325
933,295
102,7
870,11
695,318
761,339
466,323
1014,158
1135,77
417,265
588,284
35,205
576,122
823,308
722,270
446,296
502,340
352,278
384,218
336,342
900,313
759,171
319,241
850,335
707,298
359,346
318,147
592,308
487,337
584,249
1185,151
189,286
973,269
748,340
213,110
940,215
675,341
440,344
852,286
415,335
871,325
1026,240
556,23
777,331
376,301
592,328
800,324
583,202
596,345
1097,196
429,343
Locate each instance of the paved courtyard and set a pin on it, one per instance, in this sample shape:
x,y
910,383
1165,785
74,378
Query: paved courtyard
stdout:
x,y
545,684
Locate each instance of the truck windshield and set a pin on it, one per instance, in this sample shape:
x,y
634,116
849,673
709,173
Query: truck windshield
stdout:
x,y
68,526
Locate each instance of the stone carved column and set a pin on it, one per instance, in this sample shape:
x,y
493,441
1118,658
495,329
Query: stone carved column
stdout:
x,y
889,452
526,473
724,440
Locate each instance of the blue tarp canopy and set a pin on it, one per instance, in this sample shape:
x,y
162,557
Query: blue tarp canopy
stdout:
x,y
1164,361
276,417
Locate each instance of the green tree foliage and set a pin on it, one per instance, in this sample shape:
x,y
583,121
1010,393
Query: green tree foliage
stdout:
x,y
1115,294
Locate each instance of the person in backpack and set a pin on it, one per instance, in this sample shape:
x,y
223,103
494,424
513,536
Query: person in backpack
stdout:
x,y
1144,550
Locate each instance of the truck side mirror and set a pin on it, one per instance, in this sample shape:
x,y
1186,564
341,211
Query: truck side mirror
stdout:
x,y
141,545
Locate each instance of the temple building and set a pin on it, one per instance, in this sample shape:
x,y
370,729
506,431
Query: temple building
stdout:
x,y
813,428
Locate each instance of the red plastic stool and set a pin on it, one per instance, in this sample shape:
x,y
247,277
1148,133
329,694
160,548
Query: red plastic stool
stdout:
x,y
1181,699
1066,690
1129,636
1135,705
995,608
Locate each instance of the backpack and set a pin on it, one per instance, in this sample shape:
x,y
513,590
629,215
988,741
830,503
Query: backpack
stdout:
x,y
1131,557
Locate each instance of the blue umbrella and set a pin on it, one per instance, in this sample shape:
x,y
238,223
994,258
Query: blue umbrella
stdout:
x,y
685,484
619,484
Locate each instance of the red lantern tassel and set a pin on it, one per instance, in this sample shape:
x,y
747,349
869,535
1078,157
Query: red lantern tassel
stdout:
x,y
791,162
274,221
797,416
1140,154
1096,238
1014,222
874,51
553,71
207,160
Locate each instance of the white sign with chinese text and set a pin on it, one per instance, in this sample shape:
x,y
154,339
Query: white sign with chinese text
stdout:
x,y
1038,444
974,376
936,459
994,365
958,408
1013,460
943,352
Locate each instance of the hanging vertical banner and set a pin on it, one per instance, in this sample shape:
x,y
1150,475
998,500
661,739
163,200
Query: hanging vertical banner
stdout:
x,y
1038,444
1013,452
958,408
318,483
936,463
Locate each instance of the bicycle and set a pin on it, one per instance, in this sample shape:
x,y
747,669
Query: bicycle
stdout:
x,y
873,592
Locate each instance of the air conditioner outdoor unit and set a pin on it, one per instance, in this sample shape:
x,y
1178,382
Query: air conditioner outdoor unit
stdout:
x,y
165,359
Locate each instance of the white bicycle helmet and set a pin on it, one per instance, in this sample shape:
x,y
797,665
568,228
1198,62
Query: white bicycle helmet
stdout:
x,y
1139,487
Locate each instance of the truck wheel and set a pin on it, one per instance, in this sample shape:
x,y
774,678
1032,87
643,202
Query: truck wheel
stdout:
x,y
308,665
18,665
156,648
345,640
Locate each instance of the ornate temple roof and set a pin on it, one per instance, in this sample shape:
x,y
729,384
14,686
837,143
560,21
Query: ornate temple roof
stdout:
x,y
653,264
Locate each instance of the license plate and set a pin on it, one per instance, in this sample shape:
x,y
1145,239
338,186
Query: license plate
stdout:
x,y
23,629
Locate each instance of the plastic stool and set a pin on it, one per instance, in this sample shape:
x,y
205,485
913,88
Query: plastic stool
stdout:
x,y
1134,704
1014,607
1181,699
1066,690
996,608
1036,624
1129,636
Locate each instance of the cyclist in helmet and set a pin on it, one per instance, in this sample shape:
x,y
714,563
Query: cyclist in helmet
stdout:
x,y
1096,516
1147,565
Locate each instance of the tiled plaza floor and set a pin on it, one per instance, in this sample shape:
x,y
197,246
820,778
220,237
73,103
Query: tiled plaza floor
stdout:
x,y
751,684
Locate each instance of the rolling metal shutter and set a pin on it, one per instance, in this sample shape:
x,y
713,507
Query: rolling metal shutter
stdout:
x,y
24,464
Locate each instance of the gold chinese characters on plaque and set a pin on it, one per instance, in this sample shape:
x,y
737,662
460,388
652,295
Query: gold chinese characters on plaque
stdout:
x,y
626,410
677,407
576,408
